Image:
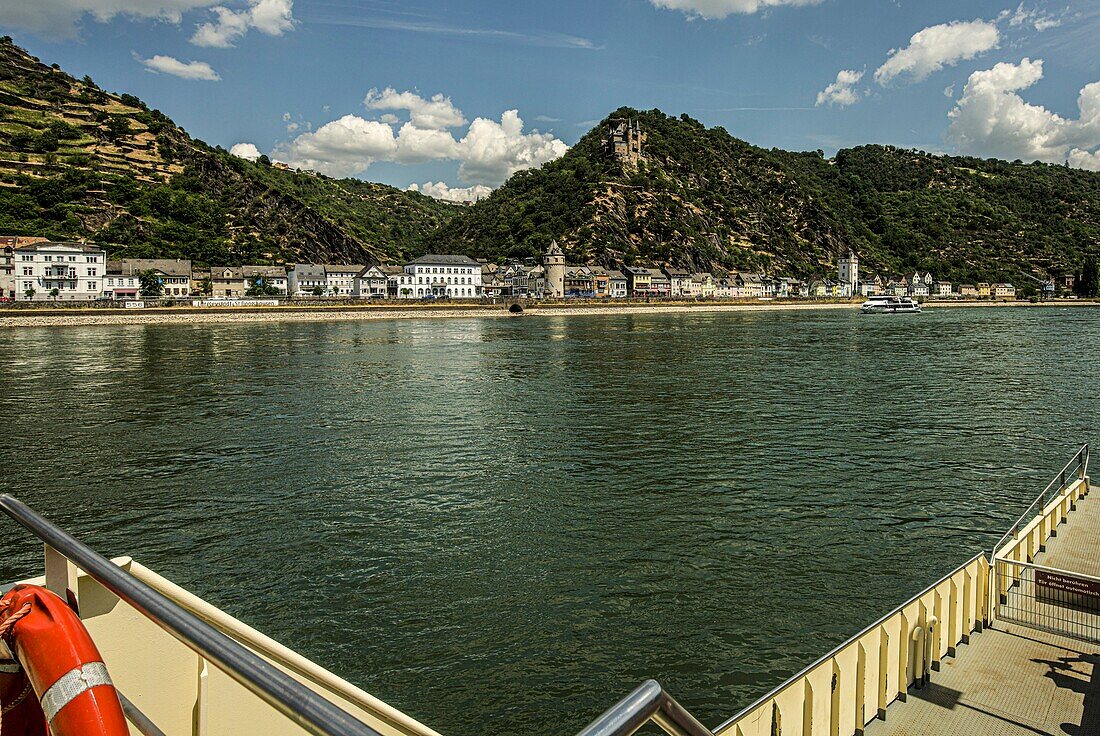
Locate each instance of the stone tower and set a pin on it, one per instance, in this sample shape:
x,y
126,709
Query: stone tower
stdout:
x,y
848,267
625,140
554,264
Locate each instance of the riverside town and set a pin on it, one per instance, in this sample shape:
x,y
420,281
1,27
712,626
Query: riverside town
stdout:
x,y
38,270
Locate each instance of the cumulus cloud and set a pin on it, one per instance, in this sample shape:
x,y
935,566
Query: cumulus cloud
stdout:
x,y
492,151
440,190
342,147
199,70
992,119
935,47
715,9
246,151
840,92
60,19
271,17
488,153
438,113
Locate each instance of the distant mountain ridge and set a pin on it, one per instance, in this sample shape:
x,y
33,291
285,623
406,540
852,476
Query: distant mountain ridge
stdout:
x,y
78,162
701,198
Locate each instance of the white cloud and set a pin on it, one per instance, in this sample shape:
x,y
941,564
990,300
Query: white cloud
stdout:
x,y
185,70
417,145
933,48
488,153
342,147
1033,17
949,91
440,190
714,9
991,119
438,113
840,92
60,19
246,151
491,151
271,17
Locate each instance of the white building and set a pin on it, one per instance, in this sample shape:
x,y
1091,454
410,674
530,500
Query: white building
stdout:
x,y
74,270
435,275
174,275
272,277
371,283
340,279
941,289
306,279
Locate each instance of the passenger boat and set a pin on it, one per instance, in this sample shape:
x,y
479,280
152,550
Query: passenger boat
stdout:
x,y
107,647
890,305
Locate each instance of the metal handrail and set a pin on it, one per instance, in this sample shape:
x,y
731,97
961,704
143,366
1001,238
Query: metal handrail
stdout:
x,y
294,700
649,702
1081,457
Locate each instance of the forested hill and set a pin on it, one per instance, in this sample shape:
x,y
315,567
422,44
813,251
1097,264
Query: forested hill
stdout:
x,y
701,197
79,162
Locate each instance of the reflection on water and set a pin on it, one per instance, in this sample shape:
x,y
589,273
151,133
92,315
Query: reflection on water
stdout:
x,y
514,522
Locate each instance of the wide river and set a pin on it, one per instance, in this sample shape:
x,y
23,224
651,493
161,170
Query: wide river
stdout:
x,y
501,526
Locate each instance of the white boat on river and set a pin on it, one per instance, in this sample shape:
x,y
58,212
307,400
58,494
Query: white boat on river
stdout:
x,y
890,305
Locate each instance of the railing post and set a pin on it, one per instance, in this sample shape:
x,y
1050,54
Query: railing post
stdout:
x,y
61,575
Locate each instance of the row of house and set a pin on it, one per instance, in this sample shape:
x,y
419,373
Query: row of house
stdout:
x,y
37,269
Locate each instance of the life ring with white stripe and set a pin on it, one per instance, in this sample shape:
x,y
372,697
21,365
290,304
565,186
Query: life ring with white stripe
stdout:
x,y
56,659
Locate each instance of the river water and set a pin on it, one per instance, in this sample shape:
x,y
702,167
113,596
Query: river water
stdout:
x,y
501,526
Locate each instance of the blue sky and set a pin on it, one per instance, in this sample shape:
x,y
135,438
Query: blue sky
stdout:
x,y
276,74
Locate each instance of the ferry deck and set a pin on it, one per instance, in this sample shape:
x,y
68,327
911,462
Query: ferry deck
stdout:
x,y
1008,643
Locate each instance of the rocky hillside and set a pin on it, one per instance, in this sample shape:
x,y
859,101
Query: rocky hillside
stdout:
x,y
76,161
702,198
79,162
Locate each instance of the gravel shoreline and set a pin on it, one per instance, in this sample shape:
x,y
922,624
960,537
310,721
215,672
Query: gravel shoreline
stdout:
x,y
86,318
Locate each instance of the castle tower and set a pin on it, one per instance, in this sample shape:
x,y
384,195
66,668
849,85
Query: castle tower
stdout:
x,y
849,272
554,264
625,141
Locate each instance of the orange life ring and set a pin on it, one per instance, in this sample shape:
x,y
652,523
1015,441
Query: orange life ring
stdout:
x,y
60,664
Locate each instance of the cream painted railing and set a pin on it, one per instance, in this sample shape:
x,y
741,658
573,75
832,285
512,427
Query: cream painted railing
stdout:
x,y
853,684
183,694
1029,535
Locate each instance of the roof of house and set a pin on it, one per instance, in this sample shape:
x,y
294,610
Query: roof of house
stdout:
x,y
268,272
363,273
310,271
678,273
83,247
168,266
437,259
638,270
616,275
392,269
349,268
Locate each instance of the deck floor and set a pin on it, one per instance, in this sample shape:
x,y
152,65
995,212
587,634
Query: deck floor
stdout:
x,y
1014,680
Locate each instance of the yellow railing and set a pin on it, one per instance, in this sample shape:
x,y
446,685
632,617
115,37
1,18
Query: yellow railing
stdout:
x,y
1029,539
185,695
853,684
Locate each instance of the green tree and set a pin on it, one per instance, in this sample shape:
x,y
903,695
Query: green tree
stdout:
x,y
1089,283
318,291
257,287
29,293
151,284
54,292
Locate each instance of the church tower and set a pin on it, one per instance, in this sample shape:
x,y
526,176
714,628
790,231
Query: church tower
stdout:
x,y
554,264
849,272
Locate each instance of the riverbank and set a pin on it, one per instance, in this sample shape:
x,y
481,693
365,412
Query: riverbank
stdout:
x,y
178,315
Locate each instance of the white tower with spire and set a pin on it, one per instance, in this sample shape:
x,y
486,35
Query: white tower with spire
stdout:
x,y
554,264
849,273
